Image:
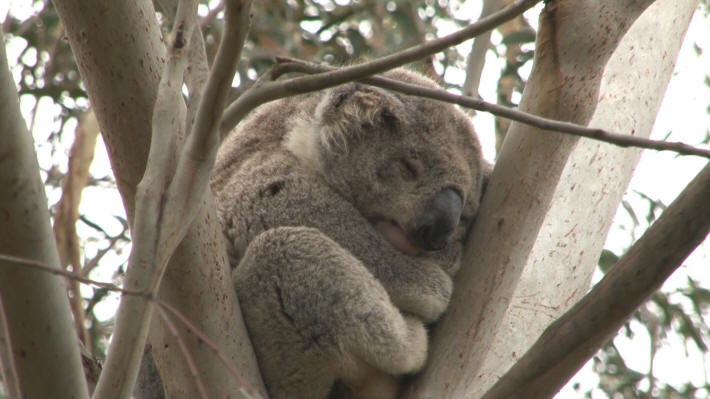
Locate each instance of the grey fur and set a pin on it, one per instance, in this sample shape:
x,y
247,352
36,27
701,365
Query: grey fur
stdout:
x,y
320,196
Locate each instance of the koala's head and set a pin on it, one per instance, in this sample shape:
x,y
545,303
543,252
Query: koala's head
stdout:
x,y
411,166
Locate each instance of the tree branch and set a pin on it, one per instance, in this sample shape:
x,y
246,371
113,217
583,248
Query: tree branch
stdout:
x,y
571,340
477,57
197,158
186,353
153,243
286,65
164,306
38,318
11,382
166,203
573,46
37,265
269,91
67,212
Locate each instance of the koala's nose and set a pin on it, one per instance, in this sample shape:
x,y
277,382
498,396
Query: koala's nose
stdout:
x,y
436,224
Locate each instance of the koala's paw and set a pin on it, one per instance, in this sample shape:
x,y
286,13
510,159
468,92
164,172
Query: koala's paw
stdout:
x,y
418,344
428,298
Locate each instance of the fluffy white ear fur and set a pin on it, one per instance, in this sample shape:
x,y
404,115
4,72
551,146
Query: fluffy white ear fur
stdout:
x,y
310,134
331,126
303,141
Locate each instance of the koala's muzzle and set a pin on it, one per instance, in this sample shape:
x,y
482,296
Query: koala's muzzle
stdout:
x,y
433,228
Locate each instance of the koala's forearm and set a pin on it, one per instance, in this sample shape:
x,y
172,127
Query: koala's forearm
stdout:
x,y
284,196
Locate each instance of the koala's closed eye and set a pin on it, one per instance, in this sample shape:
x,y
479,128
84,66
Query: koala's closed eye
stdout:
x,y
389,120
403,168
409,169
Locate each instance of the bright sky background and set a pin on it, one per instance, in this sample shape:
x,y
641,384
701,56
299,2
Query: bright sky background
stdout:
x,y
659,175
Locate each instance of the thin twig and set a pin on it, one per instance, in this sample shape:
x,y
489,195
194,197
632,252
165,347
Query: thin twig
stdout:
x,y
269,91
91,264
31,263
285,65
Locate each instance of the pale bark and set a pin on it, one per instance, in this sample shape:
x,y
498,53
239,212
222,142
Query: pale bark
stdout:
x,y
573,338
67,213
10,379
119,52
574,43
151,244
38,321
509,79
592,185
477,57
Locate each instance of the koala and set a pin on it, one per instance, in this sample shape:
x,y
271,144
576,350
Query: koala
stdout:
x,y
344,213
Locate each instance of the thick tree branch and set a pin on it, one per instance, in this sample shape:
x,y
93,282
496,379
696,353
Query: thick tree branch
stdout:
x,y
153,243
286,65
38,321
591,186
572,49
166,204
120,60
269,91
226,328
185,352
571,340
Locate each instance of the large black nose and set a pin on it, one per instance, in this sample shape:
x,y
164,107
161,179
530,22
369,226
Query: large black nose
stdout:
x,y
434,227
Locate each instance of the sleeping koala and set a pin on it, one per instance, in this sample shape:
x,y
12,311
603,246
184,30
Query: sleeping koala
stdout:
x,y
344,212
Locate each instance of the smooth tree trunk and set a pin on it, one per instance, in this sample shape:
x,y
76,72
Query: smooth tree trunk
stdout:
x,y
118,48
43,359
551,200
592,185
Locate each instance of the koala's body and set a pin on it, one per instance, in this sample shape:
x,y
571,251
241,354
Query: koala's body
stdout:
x,y
343,212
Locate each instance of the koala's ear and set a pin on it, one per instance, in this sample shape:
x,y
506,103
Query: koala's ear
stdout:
x,y
346,111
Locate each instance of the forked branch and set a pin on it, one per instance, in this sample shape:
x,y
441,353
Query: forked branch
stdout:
x,y
174,184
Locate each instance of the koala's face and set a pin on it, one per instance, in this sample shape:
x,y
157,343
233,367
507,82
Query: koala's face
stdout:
x,y
411,166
